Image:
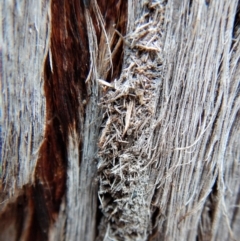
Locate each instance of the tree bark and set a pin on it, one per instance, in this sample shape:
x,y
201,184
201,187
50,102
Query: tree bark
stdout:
x,y
121,120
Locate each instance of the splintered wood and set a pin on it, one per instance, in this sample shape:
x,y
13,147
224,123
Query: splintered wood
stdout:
x,y
168,163
128,116
124,149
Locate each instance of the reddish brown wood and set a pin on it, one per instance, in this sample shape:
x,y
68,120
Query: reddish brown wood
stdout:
x,y
65,70
191,49
115,17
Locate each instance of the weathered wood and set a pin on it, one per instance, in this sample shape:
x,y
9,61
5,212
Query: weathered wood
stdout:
x,y
121,120
25,44
63,156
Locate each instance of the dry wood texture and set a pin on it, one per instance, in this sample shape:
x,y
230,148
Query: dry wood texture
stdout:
x,y
121,120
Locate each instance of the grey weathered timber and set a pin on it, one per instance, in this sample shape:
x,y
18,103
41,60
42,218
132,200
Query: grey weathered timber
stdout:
x,y
121,120
190,133
25,31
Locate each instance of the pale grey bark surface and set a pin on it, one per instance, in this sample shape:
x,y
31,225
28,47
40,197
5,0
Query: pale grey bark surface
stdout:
x,y
25,27
165,165
198,122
